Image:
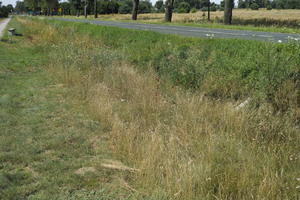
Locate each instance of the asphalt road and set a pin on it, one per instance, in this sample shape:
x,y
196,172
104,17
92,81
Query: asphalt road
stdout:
x,y
197,31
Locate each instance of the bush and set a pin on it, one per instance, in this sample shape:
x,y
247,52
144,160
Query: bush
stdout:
x,y
269,7
254,6
184,7
193,10
4,11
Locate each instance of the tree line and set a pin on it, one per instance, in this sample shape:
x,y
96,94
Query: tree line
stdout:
x,y
109,6
5,10
135,7
269,4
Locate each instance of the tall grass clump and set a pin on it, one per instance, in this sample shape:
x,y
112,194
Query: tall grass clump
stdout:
x,y
168,108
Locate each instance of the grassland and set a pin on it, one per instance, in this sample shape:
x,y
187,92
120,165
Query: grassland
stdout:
x,y
92,112
284,21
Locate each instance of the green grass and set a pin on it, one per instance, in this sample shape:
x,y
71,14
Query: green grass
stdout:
x,y
209,25
74,94
45,136
213,66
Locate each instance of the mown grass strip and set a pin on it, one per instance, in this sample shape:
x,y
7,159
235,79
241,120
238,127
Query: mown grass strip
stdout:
x,y
46,138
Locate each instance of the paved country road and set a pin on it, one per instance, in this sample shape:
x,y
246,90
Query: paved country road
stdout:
x,y
3,25
197,31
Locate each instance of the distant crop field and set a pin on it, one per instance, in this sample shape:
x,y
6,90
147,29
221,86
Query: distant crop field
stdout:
x,y
277,18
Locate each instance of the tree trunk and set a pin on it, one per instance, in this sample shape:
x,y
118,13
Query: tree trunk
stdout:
x,y
85,8
228,11
135,9
169,10
95,9
208,10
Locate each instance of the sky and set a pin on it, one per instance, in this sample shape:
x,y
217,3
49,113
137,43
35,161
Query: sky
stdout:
x,y
13,2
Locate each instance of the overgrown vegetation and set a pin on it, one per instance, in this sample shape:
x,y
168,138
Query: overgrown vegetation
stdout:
x,y
165,107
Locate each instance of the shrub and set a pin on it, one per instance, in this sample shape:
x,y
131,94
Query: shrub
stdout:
x,y
184,7
269,7
254,6
194,10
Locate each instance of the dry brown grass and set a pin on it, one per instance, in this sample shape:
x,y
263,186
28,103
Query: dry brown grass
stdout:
x,y
184,145
190,17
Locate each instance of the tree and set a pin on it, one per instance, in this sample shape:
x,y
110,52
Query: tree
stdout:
x,y
65,7
20,7
95,9
208,10
254,6
135,9
125,7
159,5
184,7
145,7
10,8
229,4
76,4
85,8
4,11
242,4
169,10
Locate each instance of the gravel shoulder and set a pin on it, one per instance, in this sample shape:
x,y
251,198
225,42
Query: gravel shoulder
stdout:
x,y
3,24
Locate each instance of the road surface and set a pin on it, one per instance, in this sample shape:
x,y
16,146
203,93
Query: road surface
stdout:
x,y
197,31
3,24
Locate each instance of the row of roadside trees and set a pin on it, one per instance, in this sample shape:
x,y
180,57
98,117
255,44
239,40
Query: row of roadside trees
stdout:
x,y
5,10
86,7
111,6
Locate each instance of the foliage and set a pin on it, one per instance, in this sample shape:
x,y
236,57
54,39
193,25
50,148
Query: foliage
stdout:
x,y
193,10
279,4
5,10
20,7
159,5
183,7
125,7
145,7
254,6
108,7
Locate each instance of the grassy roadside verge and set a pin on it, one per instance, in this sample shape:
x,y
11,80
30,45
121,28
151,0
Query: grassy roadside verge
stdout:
x,y
46,146
164,105
202,25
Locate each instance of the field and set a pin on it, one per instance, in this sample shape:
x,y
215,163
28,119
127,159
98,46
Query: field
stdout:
x,y
194,17
91,112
